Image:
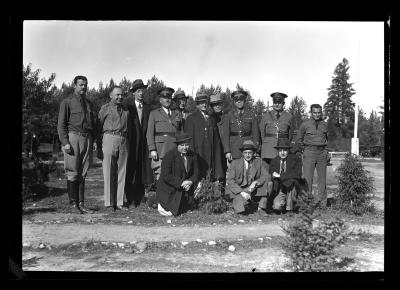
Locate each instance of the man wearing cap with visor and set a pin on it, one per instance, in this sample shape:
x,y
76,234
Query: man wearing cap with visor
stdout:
x,y
274,124
238,126
179,176
246,178
139,172
161,130
180,100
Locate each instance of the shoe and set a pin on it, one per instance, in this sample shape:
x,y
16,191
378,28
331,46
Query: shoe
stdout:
x,y
75,209
261,212
120,207
84,209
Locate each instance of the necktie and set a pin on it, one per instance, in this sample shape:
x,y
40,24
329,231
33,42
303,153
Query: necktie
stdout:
x,y
184,161
277,114
283,166
140,105
169,113
248,173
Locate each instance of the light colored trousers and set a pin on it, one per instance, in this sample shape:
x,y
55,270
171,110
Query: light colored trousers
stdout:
x,y
115,156
77,163
316,159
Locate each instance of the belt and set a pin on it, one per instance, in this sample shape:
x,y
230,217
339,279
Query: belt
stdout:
x,y
171,134
81,134
279,135
240,134
122,134
317,147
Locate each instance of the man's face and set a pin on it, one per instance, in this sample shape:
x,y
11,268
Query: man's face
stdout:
x,y
316,113
202,106
283,153
182,103
217,107
183,148
278,106
80,87
116,96
139,95
165,101
239,103
248,155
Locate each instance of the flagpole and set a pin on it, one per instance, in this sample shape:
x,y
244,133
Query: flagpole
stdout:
x,y
354,140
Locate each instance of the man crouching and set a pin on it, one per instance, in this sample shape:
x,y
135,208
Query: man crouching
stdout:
x,y
179,175
246,178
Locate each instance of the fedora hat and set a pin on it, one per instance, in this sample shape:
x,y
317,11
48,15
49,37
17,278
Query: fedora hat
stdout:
x,y
248,145
137,84
182,137
201,96
180,94
166,92
239,94
215,99
283,143
278,97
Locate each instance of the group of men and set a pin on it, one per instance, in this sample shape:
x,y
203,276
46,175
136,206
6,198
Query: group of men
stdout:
x,y
252,161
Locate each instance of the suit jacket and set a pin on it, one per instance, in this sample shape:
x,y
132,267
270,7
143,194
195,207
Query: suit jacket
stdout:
x,y
293,169
160,123
236,181
173,173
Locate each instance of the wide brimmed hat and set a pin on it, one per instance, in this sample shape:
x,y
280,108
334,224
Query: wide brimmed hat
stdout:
x,y
278,97
166,92
215,99
137,84
180,94
239,94
201,96
283,143
182,137
248,145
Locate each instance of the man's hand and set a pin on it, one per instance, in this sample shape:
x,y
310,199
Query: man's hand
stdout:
x,y
276,175
67,148
245,195
154,155
186,184
94,146
228,156
253,186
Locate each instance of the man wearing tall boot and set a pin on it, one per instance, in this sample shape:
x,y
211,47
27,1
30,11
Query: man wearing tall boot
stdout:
x,y
77,132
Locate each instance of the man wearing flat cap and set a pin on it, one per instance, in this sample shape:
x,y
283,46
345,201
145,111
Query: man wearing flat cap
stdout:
x,y
205,137
285,169
139,172
274,124
178,179
180,100
238,125
246,178
161,130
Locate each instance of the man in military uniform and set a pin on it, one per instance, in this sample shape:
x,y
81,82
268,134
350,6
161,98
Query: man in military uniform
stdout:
x,y
180,100
238,126
274,124
162,127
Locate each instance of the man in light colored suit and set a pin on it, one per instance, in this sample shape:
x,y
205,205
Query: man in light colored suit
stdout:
x,y
161,130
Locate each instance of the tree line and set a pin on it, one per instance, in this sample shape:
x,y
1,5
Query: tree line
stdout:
x,y
41,99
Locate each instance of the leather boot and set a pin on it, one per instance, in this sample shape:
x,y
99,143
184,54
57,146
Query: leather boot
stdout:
x,y
73,193
71,198
82,198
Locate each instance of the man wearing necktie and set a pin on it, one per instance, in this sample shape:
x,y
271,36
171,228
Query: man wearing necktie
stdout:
x,y
180,100
274,124
139,173
285,170
246,179
179,175
162,127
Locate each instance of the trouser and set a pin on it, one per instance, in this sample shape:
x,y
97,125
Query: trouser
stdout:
x,y
115,151
239,202
280,196
315,158
156,167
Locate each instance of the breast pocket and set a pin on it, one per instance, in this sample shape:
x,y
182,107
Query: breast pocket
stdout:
x,y
76,115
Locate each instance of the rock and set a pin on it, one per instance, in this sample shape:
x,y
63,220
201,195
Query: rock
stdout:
x,y
212,243
199,241
229,221
34,204
231,248
173,225
268,238
114,244
141,246
26,244
89,220
121,245
132,243
214,224
130,222
42,246
185,243
259,220
240,239
104,243
169,221
241,221
261,239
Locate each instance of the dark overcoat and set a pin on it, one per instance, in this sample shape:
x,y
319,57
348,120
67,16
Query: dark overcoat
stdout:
x,y
293,169
206,143
173,173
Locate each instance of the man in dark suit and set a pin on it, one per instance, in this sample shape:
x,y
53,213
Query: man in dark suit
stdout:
x,y
285,170
179,175
139,172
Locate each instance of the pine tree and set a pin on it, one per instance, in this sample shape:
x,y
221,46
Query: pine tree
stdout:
x,y
298,109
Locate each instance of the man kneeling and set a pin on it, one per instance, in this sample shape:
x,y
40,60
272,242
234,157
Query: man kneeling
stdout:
x,y
179,175
285,170
246,178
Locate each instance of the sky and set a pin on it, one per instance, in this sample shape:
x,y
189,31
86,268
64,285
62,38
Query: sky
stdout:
x,y
295,58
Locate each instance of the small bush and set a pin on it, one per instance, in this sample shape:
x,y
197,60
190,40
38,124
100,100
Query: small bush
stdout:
x,y
209,197
355,190
311,246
